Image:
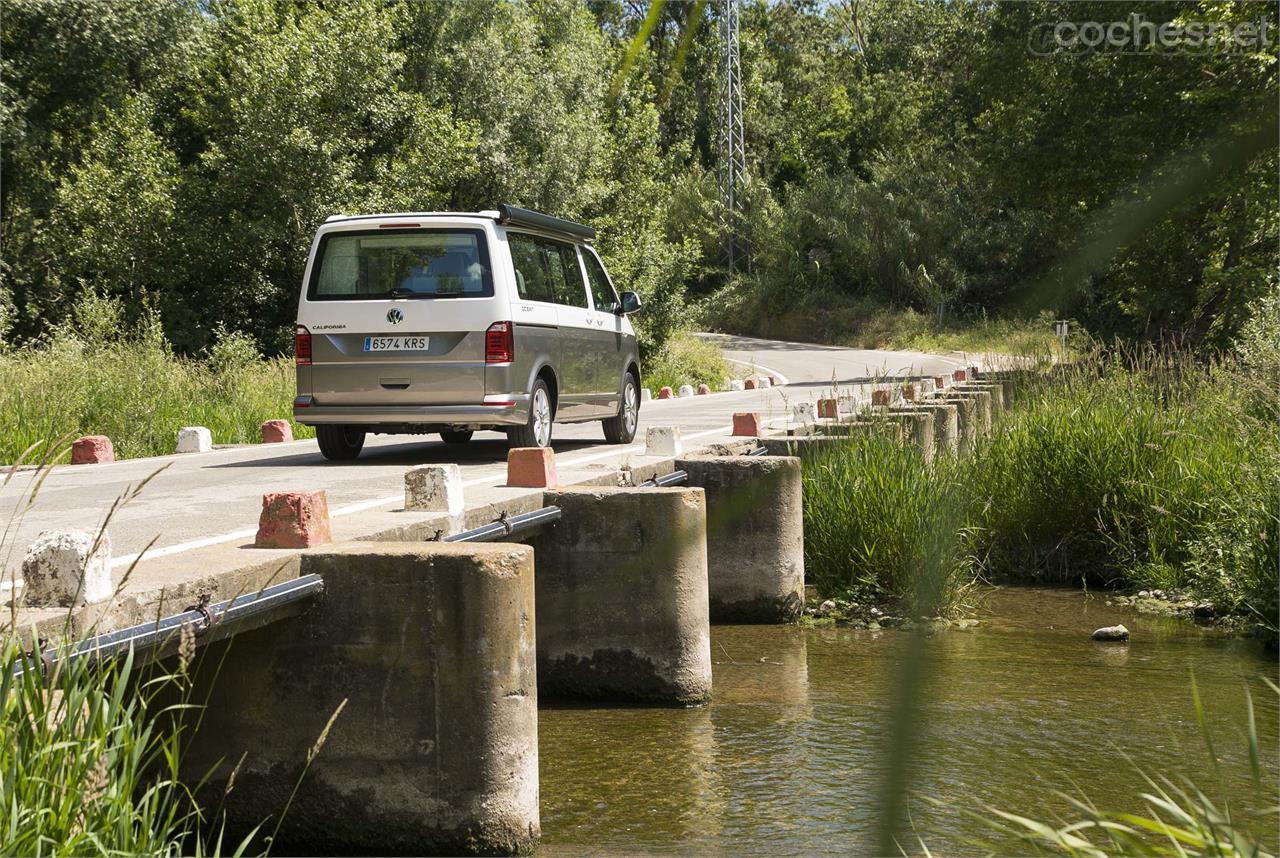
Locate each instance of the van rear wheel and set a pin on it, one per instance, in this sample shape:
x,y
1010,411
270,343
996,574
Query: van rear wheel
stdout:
x,y
340,443
621,429
536,432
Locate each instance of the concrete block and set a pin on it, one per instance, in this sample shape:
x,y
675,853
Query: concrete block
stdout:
x,y
982,412
276,432
746,423
645,394
908,392
804,412
749,384
973,373
880,397
432,648
828,409
755,536
685,390
704,389
532,467
194,439
662,441
622,596
92,450
436,488
959,375
293,520
63,568
939,382
737,384
805,448
665,393
764,381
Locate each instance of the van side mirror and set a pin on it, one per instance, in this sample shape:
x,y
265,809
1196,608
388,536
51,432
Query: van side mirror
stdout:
x,y
630,303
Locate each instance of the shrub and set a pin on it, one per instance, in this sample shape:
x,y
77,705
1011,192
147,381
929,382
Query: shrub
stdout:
x,y
685,359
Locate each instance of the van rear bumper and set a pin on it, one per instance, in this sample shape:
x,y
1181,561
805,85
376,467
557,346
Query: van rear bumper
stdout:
x,y
514,414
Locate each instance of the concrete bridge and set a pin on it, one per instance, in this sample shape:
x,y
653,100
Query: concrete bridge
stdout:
x,y
437,653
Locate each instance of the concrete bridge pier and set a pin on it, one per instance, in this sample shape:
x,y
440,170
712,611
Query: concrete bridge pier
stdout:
x,y
917,427
967,420
622,596
755,536
946,423
431,646
995,388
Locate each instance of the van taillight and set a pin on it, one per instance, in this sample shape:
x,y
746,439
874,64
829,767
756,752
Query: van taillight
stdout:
x,y
302,346
499,343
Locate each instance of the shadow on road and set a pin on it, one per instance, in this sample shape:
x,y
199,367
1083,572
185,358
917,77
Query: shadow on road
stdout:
x,y
478,451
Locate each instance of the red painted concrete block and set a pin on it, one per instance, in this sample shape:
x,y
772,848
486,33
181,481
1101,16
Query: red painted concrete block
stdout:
x,y
939,381
276,432
828,408
704,389
747,423
879,397
973,373
959,375
749,384
909,392
293,520
92,450
531,467
665,393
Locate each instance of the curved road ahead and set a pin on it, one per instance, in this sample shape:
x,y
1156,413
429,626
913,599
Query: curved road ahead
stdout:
x,y
198,500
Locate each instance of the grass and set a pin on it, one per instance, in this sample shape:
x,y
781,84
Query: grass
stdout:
x,y
84,767
876,526
1147,469
134,390
685,359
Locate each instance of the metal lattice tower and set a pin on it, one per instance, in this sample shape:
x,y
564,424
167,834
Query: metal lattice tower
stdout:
x,y
733,163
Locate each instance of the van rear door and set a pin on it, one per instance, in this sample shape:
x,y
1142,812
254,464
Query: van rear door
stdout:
x,y
398,315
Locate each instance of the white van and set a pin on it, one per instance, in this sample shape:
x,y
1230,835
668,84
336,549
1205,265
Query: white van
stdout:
x,y
454,322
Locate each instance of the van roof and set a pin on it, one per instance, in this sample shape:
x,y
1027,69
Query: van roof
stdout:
x,y
505,215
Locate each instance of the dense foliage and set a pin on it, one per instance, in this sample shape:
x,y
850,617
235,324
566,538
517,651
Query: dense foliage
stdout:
x,y
179,154
1130,470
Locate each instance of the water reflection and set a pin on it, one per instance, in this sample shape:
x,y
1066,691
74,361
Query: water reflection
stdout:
x,y
786,759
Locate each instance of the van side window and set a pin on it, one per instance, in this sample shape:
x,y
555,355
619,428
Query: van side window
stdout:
x,y
601,292
547,271
532,279
570,290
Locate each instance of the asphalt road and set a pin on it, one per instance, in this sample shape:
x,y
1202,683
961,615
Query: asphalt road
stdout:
x,y
201,499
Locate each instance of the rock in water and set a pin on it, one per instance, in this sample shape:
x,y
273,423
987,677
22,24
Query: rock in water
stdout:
x,y
1111,633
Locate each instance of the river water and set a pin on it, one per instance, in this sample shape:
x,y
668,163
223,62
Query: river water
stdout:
x,y
789,756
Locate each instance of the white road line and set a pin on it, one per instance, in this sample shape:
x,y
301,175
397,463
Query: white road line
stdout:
x,y
375,503
781,378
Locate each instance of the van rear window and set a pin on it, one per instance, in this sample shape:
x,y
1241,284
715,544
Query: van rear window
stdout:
x,y
401,263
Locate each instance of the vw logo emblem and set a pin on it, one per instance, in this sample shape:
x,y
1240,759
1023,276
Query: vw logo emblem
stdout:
x,y
394,316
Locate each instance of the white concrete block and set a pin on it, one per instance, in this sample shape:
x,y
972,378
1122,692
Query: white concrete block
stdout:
x,y
763,382
645,394
663,441
62,569
685,390
194,439
737,384
434,488
804,412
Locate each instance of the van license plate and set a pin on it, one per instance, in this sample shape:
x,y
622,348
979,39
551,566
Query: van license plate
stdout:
x,y
396,344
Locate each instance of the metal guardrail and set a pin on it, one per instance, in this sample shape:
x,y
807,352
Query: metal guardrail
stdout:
x,y
507,526
209,622
674,478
